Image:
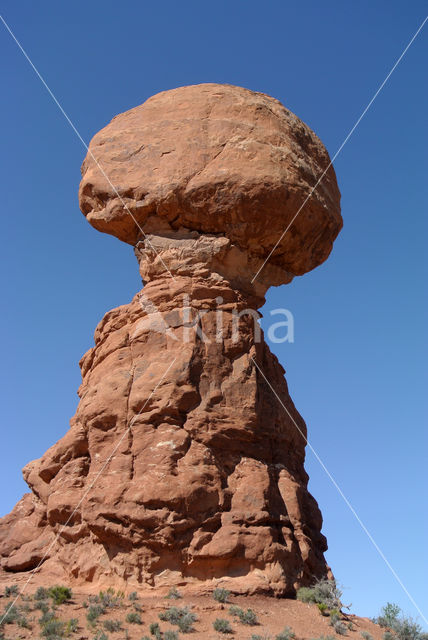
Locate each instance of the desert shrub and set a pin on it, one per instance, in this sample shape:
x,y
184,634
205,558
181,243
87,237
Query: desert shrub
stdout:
x,y
71,626
137,607
182,617
222,626
13,590
324,592
339,627
134,618
221,595
41,594
109,599
408,629
305,594
235,611
173,594
101,636
133,596
388,615
42,605
398,628
23,622
248,617
11,615
366,635
328,592
170,635
94,612
155,630
287,634
60,594
185,624
47,616
256,636
323,609
112,625
325,638
53,629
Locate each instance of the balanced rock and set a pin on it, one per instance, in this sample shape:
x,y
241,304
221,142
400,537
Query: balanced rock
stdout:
x,y
184,463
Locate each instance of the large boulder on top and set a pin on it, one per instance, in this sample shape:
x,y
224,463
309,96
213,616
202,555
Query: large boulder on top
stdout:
x,y
216,159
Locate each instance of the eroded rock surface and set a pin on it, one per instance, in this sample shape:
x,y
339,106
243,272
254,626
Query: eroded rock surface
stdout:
x,y
180,465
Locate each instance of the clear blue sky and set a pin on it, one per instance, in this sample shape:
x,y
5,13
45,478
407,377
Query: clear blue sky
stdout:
x,y
356,369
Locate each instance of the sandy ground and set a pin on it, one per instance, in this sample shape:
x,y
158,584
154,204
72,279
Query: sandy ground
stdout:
x,y
272,615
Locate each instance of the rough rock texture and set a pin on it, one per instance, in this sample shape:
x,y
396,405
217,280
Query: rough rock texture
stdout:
x,y
216,159
180,465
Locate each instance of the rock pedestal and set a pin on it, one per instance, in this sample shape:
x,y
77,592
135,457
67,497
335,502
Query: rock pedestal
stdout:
x,y
180,466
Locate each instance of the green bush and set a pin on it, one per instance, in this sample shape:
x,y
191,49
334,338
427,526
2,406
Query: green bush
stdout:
x,y
137,607
134,618
334,616
408,629
109,599
388,615
173,594
60,594
305,594
185,624
248,617
255,636
47,616
53,629
13,590
366,635
41,594
221,595
133,596
170,635
398,628
94,612
324,592
286,634
71,626
323,609
339,627
42,605
23,622
112,625
155,630
222,626
11,614
182,617
101,636
328,592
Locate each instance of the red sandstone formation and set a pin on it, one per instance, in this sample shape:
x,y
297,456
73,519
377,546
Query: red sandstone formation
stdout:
x,y
180,465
